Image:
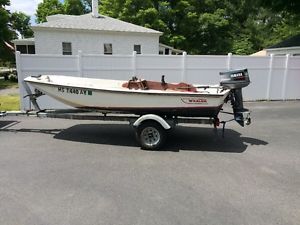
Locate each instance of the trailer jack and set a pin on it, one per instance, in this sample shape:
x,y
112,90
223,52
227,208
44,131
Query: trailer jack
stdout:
x,y
33,96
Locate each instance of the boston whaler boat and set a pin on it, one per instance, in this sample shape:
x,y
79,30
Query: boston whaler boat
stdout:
x,y
155,102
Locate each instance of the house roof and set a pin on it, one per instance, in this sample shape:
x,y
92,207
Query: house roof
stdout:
x,y
260,53
88,22
290,42
23,41
171,48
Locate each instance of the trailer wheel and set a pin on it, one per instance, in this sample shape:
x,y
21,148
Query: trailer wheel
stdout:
x,y
151,135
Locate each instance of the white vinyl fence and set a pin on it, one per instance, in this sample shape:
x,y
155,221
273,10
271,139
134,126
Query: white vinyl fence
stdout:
x,y
272,77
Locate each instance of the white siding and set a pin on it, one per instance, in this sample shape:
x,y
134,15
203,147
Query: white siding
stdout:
x,y
50,42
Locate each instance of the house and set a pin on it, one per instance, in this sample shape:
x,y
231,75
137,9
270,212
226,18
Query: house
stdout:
x,y
168,50
289,46
91,33
25,46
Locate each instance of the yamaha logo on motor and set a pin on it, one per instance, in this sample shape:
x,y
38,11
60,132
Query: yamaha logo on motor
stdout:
x,y
238,76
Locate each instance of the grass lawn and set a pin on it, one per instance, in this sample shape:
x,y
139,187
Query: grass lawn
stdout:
x,y
9,102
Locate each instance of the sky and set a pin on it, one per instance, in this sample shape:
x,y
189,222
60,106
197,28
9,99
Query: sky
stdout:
x,y
26,6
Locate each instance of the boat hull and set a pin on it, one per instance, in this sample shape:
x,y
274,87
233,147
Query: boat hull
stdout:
x,y
134,101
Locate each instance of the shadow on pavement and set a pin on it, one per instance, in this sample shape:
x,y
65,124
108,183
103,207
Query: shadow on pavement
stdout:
x,y
7,123
111,134
180,139
207,139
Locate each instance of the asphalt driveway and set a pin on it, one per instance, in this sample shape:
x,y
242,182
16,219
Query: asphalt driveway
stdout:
x,y
55,171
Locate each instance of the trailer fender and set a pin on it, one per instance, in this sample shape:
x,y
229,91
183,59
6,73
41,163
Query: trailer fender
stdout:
x,y
154,117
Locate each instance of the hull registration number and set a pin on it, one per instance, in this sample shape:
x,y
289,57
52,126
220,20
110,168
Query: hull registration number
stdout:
x,y
76,91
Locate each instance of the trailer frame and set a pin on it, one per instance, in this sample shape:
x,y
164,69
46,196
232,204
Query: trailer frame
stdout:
x,y
151,130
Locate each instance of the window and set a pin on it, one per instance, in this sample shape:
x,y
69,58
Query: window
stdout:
x,y
26,49
137,48
108,49
31,49
67,48
167,51
22,49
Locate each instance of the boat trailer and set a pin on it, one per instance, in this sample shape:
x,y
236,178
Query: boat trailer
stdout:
x,y
151,130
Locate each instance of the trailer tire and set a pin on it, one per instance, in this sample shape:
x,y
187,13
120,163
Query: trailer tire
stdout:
x,y
151,135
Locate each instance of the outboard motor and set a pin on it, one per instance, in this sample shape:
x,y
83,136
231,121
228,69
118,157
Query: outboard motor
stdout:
x,y
236,80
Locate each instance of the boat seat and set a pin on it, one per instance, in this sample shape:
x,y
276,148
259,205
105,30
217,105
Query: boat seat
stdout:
x,y
138,84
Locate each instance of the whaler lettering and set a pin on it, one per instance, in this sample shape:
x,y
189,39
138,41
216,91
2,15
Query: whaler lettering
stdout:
x,y
76,91
194,100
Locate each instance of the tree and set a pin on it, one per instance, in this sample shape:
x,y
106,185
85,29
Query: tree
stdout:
x,y
245,26
47,8
21,23
69,7
198,27
5,32
291,6
74,7
187,24
263,28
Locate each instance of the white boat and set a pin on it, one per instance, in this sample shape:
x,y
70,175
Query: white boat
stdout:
x,y
135,96
147,97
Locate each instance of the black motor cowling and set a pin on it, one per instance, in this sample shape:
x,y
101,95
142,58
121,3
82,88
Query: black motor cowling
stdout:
x,y
236,80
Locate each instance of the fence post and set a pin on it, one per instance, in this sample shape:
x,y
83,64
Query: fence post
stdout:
x,y
229,57
286,70
20,79
134,63
183,67
270,76
79,63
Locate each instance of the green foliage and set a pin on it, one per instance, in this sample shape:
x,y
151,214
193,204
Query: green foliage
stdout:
x,y
74,7
291,6
199,27
287,25
209,26
47,8
69,7
6,33
263,29
10,24
20,22
213,33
